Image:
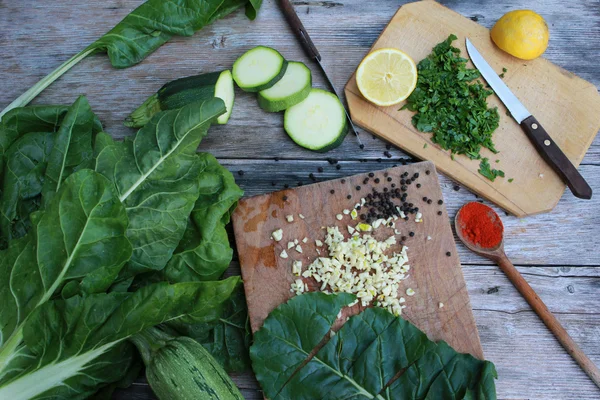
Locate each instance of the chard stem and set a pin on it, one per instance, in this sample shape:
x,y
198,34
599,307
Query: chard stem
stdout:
x,y
7,350
36,89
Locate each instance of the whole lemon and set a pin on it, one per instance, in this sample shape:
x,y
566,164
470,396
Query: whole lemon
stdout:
x,y
521,33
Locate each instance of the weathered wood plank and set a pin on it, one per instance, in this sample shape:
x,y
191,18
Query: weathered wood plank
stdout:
x,y
530,362
343,31
567,235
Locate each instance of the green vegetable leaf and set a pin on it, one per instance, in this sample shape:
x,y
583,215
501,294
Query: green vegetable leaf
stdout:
x,y
22,183
72,147
486,170
204,252
20,121
77,345
156,177
374,355
80,237
449,105
226,338
142,31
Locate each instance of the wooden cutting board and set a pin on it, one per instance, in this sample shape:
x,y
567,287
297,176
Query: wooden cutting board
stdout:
x,y
435,276
566,105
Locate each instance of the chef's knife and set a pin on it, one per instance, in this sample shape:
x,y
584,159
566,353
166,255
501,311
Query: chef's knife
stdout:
x,y
544,144
311,50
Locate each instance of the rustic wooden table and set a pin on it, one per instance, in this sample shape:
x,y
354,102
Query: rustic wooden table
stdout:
x,y
558,253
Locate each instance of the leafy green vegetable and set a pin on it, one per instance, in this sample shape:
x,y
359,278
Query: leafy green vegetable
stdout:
x,y
79,238
72,148
74,346
449,106
144,30
204,252
33,133
375,355
227,338
156,176
486,170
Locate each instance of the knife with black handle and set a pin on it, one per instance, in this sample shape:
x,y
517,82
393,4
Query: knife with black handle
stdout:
x,y
311,50
543,143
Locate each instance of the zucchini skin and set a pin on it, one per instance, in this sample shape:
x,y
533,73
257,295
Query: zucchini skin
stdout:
x,y
179,368
173,95
270,105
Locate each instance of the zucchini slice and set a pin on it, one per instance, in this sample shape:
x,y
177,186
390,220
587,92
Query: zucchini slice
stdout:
x,y
259,69
184,91
317,123
294,87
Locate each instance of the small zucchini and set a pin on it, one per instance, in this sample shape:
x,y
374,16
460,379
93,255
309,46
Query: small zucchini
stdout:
x,y
290,90
184,91
318,122
179,368
258,69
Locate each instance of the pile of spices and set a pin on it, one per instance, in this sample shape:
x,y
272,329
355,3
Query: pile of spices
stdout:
x,y
480,225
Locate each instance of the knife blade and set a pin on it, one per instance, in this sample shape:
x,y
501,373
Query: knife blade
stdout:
x,y
538,136
312,52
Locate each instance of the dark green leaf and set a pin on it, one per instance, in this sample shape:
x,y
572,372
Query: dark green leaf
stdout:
x,y
374,355
75,346
204,252
154,22
226,338
72,148
156,176
80,237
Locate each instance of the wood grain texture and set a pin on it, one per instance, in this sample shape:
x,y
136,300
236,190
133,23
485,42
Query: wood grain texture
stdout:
x,y
435,273
567,105
557,252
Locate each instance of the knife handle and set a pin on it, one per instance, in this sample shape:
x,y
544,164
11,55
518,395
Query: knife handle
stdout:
x,y
298,28
556,158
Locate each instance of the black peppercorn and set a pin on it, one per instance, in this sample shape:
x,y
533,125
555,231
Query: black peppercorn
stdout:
x,y
358,188
377,180
362,146
448,254
338,166
427,172
429,201
440,202
371,174
411,234
418,185
456,188
349,196
332,191
439,213
343,181
284,198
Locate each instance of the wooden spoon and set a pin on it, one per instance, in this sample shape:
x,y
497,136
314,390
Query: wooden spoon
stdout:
x,y
497,255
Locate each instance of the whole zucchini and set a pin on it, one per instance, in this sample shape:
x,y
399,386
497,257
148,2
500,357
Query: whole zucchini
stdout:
x,y
179,368
184,91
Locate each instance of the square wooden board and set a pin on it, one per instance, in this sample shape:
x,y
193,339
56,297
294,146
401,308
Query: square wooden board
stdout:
x,y
435,276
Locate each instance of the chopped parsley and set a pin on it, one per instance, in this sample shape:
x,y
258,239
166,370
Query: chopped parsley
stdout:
x,y
510,180
450,105
488,172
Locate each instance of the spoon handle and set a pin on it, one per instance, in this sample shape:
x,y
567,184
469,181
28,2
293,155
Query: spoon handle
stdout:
x,y
549,319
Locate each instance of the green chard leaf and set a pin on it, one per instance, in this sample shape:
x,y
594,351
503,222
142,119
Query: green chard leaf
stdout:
x,y
449,105
40,137
204,252
156,177
79,240
75,346
227,338
72,148
374,355
142,31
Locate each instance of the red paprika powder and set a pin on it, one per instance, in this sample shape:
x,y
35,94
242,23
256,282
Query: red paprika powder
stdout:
x,y
480,225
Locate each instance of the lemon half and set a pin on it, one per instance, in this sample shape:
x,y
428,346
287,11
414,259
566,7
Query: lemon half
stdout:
x,y
386,76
